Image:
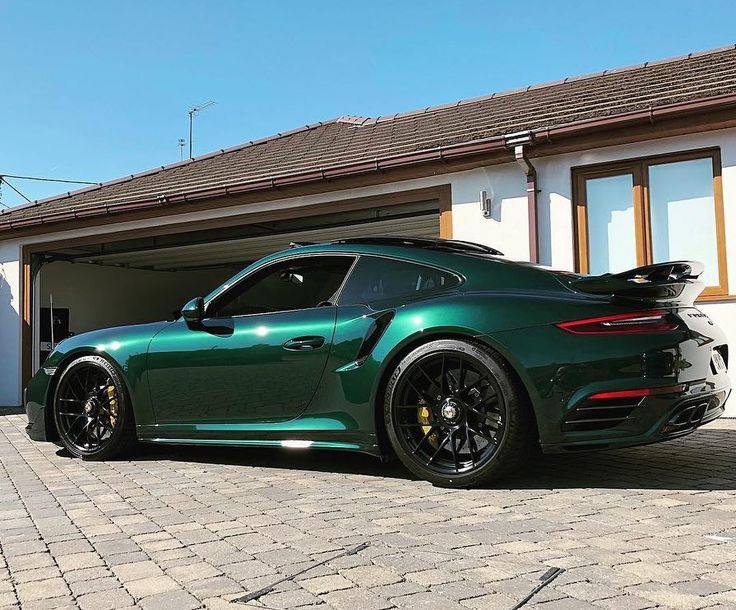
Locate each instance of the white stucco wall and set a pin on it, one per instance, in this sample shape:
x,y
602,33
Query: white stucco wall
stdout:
x,y
506,229
9,324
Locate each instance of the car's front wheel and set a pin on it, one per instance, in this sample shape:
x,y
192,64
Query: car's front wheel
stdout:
x,y
456,416
91,410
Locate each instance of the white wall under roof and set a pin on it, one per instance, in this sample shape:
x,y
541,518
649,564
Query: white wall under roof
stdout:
x,y
10,391
506,229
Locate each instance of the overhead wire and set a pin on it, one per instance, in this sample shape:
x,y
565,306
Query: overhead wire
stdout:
x,y
4,179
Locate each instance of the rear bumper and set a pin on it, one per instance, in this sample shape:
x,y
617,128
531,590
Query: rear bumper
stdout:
x,y
653,420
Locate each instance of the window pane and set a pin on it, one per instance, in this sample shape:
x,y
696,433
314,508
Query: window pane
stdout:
x,y
294,284
611,225
683,214
375,279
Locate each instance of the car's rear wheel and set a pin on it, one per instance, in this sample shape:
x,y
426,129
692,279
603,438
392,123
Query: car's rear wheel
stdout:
x,y
92,412
456,415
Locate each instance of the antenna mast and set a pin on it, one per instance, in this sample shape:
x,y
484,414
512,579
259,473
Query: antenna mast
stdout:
x,y
192,111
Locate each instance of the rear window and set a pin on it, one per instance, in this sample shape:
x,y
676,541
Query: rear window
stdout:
x,y
375,279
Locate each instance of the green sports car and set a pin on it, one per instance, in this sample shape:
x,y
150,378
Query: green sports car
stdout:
x,y
456,360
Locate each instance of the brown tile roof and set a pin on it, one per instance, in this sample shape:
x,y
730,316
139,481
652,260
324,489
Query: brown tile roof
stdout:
x,y
352,140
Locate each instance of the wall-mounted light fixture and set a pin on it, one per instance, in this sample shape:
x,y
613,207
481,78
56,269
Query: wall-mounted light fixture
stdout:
x,y
485,204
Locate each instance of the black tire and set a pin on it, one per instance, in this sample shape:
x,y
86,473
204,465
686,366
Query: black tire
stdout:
x,y
471,401
92,410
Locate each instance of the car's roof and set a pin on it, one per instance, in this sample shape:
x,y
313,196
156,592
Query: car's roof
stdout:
x,y
438,252
467,259
428,243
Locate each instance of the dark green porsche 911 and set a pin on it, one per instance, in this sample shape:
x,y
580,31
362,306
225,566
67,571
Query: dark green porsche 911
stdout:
x,y
460,362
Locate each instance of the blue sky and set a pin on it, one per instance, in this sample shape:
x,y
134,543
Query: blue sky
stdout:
x,y
95,90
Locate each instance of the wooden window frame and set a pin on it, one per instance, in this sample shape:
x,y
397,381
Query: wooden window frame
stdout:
x,y
638,168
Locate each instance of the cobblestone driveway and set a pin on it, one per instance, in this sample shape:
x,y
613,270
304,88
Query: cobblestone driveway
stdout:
x,y
188,528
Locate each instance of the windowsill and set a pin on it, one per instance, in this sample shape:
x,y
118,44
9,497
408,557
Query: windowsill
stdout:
x,y
716,298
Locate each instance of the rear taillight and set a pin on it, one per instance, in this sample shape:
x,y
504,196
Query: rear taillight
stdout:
x,y
640,393
654,321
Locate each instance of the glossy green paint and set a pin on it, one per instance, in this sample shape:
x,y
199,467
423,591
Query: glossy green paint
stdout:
x,y
236,370
231,381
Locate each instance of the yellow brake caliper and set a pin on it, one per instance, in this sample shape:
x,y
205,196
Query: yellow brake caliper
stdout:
x,y
113,400
423,418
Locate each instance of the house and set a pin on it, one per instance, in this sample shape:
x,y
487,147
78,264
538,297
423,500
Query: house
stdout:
x,y
593,174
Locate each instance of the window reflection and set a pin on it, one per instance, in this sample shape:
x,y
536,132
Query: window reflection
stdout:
x,y
683,214
611,225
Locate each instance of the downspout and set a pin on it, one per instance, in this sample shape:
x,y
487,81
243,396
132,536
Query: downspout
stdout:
x,y
520,143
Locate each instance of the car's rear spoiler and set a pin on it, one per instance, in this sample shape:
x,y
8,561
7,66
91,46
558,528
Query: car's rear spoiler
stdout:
x,y
675,282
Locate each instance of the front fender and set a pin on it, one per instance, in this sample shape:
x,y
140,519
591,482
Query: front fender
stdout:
x,y
125,348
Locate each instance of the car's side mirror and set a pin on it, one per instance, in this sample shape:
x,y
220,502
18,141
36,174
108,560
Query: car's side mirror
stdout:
x,y
193,311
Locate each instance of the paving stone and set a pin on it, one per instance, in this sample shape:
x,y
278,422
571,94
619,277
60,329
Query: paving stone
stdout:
x,y
432,577
244,570
568,603
490,601
667,596
144,587
214,586
123,558
624,602
353,599
371,576
105,600
426,601
92,585
37,574
139,569
173,600
41,589
193,571
588,591
326,584
290,599
185,527
77,561
30,561
54,603
701,587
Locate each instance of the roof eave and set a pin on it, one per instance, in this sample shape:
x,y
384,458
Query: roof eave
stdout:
x,y
379,164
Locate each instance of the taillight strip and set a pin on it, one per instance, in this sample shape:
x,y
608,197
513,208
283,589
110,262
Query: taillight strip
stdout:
x,y
651,321
638,393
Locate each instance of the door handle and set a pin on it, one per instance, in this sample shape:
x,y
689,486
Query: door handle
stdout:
x,y
300,344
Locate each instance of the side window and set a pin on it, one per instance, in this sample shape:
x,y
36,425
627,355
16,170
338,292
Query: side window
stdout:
x,y
293,284
375,279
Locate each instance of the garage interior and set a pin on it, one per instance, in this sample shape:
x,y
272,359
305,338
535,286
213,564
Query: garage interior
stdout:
x,y
146,279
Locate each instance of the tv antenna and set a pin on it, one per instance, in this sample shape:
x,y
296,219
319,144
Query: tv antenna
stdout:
x,y
192,111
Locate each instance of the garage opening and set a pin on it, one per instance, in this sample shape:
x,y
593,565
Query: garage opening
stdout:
x,y
137,280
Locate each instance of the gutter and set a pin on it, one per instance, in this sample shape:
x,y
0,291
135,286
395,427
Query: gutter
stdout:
x,y
442,153
520,143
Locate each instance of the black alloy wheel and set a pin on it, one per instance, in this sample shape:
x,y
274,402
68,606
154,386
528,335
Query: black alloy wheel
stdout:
x,y
91,410
451,410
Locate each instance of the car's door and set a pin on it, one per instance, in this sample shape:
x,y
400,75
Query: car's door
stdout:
x,y
259,352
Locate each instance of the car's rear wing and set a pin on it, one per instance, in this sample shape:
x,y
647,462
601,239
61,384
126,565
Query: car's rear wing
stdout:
x,y
676,282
